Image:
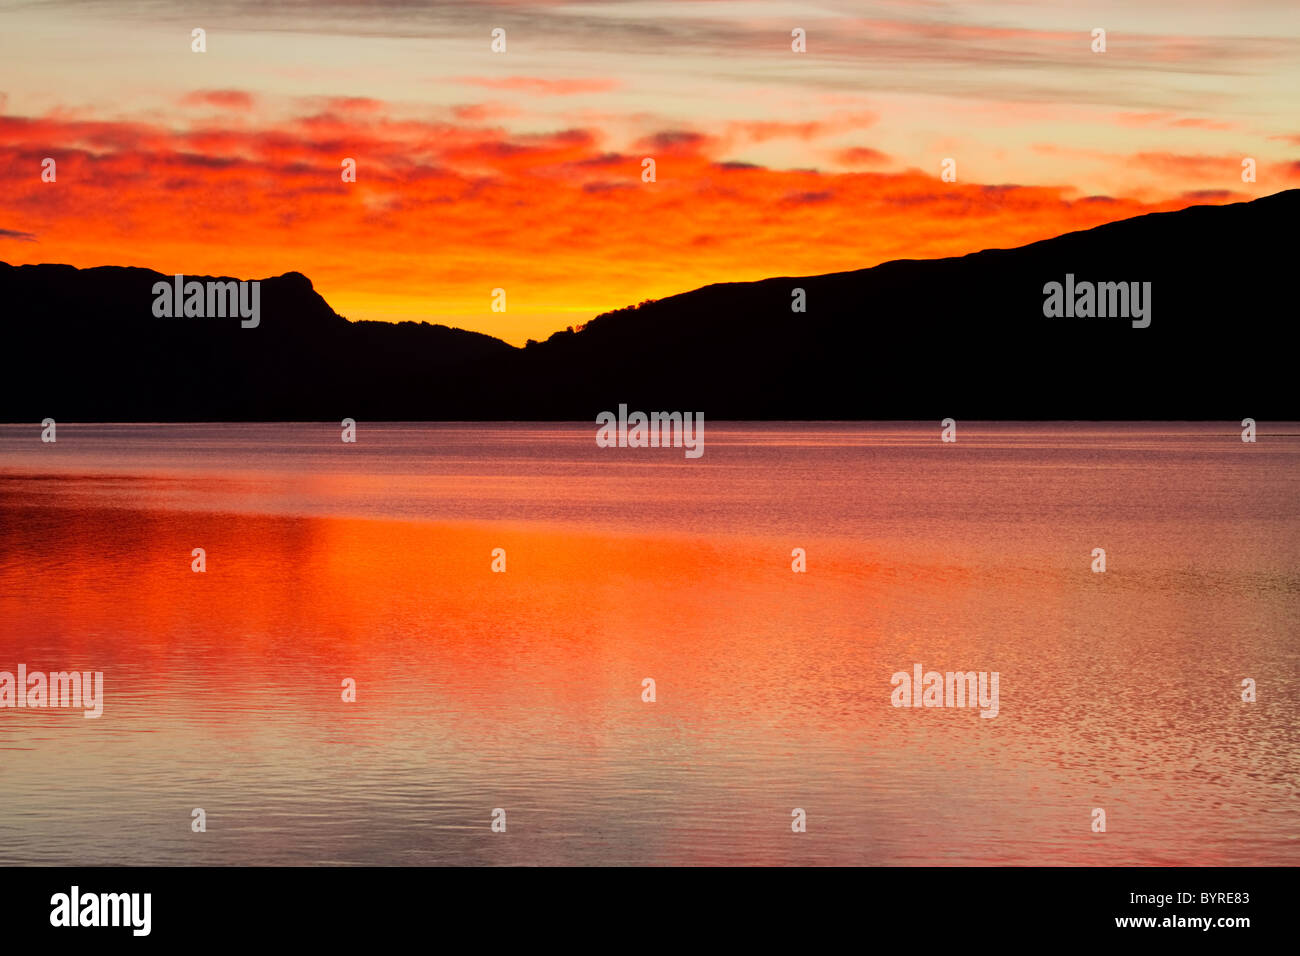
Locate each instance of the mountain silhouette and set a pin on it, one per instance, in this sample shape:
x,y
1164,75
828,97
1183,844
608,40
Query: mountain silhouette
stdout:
x,y
911,339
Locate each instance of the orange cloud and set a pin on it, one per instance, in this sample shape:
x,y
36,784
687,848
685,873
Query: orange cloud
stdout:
x,y
541,86
353,104
1198,167
1171,120
761,131
484,112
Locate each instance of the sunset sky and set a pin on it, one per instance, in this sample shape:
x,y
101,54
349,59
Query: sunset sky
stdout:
x,y
522,170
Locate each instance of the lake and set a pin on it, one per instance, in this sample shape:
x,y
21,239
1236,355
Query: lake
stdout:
x,y
522,690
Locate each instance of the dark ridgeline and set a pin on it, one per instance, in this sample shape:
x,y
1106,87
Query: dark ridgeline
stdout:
x,y
962,337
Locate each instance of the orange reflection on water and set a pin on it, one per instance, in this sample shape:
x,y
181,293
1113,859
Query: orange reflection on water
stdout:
x,y
524,689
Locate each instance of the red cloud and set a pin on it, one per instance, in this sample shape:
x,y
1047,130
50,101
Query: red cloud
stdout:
x,y
353,104
222,99
862,156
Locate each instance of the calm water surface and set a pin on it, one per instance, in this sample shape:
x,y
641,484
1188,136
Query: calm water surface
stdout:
x,y
523,690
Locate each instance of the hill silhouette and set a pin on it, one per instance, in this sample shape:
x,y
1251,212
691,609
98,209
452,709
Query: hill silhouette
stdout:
x,y
909,339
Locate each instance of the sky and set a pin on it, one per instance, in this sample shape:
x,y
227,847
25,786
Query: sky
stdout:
x,y
522,170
